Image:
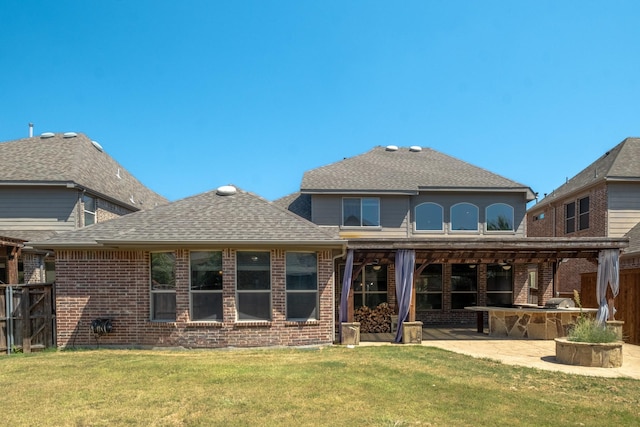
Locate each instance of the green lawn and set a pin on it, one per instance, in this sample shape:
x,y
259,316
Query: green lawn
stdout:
x,y
391,385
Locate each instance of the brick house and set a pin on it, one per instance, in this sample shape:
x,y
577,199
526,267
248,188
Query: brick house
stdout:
x,y
603,200
54,183
224,268
465,227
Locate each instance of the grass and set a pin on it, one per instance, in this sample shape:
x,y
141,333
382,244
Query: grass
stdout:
x,y
333,386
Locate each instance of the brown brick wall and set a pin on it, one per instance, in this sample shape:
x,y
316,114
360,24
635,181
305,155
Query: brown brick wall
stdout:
x,y
115,284
555,213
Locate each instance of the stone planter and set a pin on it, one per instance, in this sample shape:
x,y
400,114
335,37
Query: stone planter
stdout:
x,y
600,355
411,332
616,326
350,333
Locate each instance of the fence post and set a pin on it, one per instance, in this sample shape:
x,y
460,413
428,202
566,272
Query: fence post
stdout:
x,y
26,320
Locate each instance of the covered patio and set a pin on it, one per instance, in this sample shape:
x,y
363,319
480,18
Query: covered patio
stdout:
x,y
406,259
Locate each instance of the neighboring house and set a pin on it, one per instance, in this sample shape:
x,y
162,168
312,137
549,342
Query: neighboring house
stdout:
x,y
603,200
224,268
54,183
466,227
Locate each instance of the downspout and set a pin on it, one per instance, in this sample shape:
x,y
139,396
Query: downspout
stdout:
x,y
333,291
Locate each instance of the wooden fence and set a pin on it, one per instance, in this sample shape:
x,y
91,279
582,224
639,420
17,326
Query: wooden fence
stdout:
x,y
627,303
27,319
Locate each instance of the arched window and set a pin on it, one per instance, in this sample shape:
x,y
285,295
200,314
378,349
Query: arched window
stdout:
x,y
499,217
464,217
429,217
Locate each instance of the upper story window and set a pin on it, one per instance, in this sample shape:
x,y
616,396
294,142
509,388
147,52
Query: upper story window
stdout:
x,y
499,217
429,217
253,287
206,285
163,286
570,217
583,213
89,206
302,286
361,212
464,217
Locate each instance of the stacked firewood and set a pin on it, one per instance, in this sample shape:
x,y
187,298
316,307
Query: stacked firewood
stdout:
x,y
377,320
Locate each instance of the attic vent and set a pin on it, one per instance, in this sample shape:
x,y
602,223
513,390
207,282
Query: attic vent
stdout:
x,y
392,148
98,146
47,135
415,148
226,190
69,135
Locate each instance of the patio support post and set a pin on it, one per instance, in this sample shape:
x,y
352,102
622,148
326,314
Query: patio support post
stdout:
x,y
608,275
405,264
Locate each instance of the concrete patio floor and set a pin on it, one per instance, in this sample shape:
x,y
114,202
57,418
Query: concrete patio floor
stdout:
x,y
530,353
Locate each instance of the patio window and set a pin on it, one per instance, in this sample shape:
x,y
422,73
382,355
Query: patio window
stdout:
x,y
163,286
532,272
499,217
464,285
499,285
361,212
429,288
370,286
253,286
570,217
429,217
583,214
464,217
302,286
89,206
206,286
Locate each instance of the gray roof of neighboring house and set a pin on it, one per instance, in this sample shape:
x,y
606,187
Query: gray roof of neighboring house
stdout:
x,y
67,159
407,171
26,235
620,163
203,220
634,240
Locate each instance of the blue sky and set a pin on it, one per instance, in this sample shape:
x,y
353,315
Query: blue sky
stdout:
x,y
192,95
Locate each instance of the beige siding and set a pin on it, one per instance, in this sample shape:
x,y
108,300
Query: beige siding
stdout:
x,y
624,208
44,208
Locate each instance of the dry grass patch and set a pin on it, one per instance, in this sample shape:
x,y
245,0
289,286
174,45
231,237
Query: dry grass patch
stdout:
x,y
373,386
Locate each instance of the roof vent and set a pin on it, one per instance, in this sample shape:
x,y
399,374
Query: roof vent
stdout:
x,y
69,135
226,190
415,148
98,146
392,148
47,135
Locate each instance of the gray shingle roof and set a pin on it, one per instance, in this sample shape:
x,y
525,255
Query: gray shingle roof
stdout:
x,y
206,218
404,171
299,204
74,159
620,163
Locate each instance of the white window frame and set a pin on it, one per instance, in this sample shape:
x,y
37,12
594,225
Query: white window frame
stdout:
x,y
288,291
486,217
239,292
477,218
193,293
415,223
153,291
361,199
87,212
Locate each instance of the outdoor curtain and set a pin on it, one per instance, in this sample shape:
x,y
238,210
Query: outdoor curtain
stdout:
x,y
346,288
405,265
608,274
